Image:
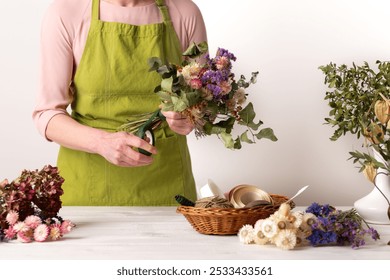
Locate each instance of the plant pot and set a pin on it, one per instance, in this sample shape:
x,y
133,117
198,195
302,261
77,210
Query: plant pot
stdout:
x,y
373,207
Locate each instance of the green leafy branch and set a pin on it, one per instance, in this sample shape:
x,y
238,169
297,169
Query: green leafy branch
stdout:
x,y
358,98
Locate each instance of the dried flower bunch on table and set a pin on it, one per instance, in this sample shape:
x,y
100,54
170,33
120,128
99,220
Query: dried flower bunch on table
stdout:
x,y
29,206
319,225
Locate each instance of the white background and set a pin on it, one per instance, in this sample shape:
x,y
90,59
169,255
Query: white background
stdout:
x,y
285,40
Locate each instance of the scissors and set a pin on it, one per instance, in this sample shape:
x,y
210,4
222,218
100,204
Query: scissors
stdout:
x,y
147,129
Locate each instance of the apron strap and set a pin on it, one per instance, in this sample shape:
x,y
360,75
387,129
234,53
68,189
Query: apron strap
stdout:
x,y
163,10
160,4
95,10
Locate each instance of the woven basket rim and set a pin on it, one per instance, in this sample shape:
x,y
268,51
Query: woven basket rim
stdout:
x,y
191,210
228,221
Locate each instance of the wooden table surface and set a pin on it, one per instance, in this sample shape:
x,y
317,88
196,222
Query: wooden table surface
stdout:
x,y
159,233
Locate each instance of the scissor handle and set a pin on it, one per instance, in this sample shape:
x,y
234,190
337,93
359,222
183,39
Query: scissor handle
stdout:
x,y
146,129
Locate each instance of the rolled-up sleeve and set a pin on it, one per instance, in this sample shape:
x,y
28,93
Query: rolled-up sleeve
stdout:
x,y
55,70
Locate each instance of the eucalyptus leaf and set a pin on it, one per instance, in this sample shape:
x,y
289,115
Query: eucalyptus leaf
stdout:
x,y
179,103
195,50
253,79
193,97
166,84
225,125
247,117
244,138
227,140
247,114
164,95
154,63
267,133
237,143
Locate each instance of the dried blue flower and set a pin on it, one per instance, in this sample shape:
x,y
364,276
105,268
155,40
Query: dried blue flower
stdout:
x,y
338,227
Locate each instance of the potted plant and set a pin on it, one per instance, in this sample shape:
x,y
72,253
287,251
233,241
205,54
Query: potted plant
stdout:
x,y
359,101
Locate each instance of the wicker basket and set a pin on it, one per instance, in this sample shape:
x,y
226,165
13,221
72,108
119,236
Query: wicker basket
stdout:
x,y
222,221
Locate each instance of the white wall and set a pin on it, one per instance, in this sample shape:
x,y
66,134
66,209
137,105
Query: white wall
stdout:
x,y
286,40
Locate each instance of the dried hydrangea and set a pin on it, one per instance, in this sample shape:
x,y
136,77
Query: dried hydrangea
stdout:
x,y
29,206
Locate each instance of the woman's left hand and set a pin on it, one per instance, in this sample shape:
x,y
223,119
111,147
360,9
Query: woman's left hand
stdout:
x,y
178,123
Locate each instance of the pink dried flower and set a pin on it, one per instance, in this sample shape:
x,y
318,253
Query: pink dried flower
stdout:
x,y
222,62
3,183
55,232
195,83
66,226
226,87
33,221
12,217
21,227
10,233
41,232
25,236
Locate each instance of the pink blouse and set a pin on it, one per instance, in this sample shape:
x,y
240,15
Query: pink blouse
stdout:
x,y
64,32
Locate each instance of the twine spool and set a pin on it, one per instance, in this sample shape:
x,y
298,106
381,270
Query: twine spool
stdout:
x,y
213,202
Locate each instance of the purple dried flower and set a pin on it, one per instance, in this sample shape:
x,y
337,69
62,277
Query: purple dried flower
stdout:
x,y
338,227
226,53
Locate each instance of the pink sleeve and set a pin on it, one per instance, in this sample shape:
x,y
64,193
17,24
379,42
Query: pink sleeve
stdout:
x,y
56,68
188,22
196,29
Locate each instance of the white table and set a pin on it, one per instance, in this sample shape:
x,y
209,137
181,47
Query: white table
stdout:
x,y
159,233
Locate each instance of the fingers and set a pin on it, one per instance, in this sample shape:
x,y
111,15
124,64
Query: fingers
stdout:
x,y
121,149
173,115
136,142
178,122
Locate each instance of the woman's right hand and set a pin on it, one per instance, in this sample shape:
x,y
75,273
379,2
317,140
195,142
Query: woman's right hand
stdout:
x,y
121,148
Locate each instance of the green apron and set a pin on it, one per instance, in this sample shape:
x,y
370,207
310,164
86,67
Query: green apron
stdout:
x,y
111,83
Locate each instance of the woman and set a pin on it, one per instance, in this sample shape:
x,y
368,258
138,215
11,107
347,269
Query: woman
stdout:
x,y
94,58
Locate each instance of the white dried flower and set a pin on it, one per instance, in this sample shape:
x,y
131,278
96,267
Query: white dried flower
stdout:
x,y
307,220
260,238
301,237
286,239
282,222
246,234
191,71
284,209
269,228
257,225
296,219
